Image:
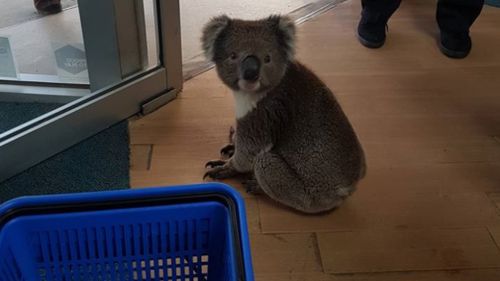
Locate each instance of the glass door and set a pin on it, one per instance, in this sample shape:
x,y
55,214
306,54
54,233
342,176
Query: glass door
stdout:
x,y
66,76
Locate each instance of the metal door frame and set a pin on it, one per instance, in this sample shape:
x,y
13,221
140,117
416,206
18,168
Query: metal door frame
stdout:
x,y
49,134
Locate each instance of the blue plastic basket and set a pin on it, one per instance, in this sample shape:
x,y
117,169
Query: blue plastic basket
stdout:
x,y
183,233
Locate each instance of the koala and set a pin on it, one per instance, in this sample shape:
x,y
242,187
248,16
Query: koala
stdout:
x,y
291,134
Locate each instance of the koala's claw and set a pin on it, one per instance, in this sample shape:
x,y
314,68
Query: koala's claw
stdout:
x,y
252,186
232,131
219,172
215,163
227,151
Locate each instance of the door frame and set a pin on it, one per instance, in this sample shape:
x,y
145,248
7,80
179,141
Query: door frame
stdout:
x,y
43,137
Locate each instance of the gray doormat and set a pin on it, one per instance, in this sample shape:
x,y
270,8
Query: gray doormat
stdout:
x,y
13,114
99,163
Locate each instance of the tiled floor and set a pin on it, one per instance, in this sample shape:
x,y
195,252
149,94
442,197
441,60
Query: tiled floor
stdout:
x,y
194,14
20,11
19,18
429,206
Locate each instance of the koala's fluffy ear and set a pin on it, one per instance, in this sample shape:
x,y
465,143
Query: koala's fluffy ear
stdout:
x,y
286,30
211,32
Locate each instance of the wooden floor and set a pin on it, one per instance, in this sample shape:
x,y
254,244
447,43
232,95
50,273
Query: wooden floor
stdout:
x,y
429,206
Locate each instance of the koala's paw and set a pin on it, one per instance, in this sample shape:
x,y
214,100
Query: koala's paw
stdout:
x,y
219,169
252,186
227,151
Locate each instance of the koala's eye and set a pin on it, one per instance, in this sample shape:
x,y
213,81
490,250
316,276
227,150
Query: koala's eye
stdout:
x,y
233,56
267,59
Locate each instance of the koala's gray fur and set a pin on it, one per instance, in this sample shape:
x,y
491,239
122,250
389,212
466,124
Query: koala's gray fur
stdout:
x,y
292,134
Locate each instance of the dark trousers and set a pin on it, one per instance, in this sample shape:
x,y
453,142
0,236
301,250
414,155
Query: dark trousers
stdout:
x,y
453,16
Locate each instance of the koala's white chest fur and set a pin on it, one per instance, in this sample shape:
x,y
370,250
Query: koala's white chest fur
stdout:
x,y
245,102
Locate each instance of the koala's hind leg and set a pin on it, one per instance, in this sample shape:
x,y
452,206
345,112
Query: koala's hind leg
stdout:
x,y
281,183
252,186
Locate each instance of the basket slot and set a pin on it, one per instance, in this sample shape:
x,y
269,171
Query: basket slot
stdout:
x,y
71,240
119,244
155,244
111,251
83,252
46,270
64,254
127,230
55,249
93,252
9,269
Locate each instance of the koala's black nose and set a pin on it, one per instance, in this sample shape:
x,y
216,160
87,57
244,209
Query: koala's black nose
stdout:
x,y
250,68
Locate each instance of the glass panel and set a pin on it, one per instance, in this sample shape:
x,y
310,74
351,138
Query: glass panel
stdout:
x,y
42,48
44,62
151,19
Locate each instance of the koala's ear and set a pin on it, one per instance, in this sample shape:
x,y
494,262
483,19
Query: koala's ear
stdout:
x,y
211,32
286,31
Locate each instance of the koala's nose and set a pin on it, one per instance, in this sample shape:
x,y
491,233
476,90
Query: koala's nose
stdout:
x,y
250,68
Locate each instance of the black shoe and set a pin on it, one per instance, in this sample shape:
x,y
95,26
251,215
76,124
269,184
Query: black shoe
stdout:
x,y
48,6
371,36
373,23
455,46
371,28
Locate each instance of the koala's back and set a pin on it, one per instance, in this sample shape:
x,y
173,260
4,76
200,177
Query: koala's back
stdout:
x,y
316,140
